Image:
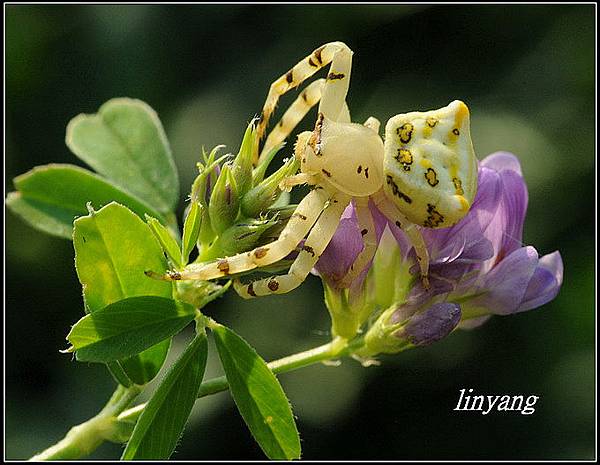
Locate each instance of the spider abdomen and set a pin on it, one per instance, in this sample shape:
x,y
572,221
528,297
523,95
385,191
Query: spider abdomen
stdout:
x,y
430,166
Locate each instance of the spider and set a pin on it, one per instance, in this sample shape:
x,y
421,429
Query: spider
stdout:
x,y
424,174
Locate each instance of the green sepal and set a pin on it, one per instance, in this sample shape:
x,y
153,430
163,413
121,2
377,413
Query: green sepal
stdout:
x,y
224,201
262,196
167,241
259,172
240,237
242,164
191,230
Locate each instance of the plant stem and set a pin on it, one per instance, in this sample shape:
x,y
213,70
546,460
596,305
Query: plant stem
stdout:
x,y
113,419
337,348
289,363
83,439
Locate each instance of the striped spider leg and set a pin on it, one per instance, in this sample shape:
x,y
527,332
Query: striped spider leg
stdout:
x,y
425,174
319,205
318,214
314,246
332,91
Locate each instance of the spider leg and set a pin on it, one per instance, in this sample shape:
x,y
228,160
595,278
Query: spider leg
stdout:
x,y
296,180
368,232
313,248
411,230
334,89
344,116
300,223
308,98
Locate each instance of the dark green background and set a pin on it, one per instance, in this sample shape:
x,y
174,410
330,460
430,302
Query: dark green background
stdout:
x,y
527,74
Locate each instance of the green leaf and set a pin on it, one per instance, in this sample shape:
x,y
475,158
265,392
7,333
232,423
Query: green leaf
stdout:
x,y
117,371
191,230
258,396
113,248
167,241
163,419
262,196
50,197
143,367
128,327
125,142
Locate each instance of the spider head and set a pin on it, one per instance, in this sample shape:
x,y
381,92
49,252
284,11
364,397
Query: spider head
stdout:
x,y
348,156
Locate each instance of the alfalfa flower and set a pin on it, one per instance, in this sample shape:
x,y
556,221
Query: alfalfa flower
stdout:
x,y
478,267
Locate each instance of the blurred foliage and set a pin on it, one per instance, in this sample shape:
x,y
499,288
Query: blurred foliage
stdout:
x,y
527,73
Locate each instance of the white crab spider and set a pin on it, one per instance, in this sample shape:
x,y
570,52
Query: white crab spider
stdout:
x,y
425,174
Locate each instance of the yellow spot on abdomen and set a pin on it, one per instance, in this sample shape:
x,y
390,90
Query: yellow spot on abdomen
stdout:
x,y
431,177
405,132
427,132
458,186
464,203
462,112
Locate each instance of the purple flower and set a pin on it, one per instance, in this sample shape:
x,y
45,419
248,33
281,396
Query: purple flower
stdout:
x,y
345,246
483,257
478,267
430,326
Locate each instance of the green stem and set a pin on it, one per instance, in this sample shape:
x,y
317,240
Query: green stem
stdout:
x,y
113,420
290,363
83,439
337,348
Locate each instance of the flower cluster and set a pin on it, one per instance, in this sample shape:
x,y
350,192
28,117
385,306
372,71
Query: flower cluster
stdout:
x,y
478,268
237,201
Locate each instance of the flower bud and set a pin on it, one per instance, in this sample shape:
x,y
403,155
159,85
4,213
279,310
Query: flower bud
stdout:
x,y
191,230
209,171
259,172
280,217
402,328
239,237
242,164
224,202
263,195
430,326
198,293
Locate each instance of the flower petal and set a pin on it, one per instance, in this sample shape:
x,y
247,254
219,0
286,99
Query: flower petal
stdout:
x,y
506,284
505,231
515,199
545,282
500,161
342,250
470,229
